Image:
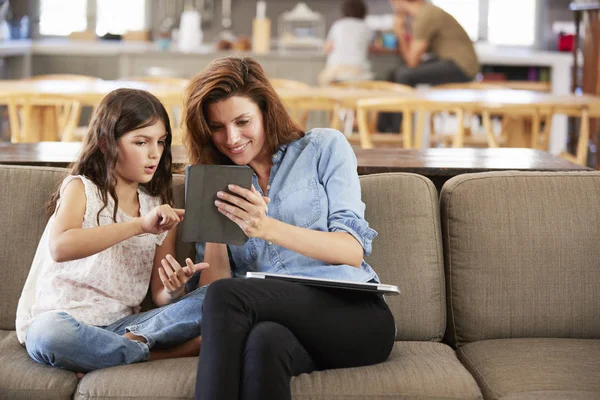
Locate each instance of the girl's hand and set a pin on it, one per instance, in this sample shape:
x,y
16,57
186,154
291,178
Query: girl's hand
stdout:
x,y
161,219
248,210
174,277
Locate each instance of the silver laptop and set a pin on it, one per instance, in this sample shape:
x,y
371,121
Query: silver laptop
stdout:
x,y
379,288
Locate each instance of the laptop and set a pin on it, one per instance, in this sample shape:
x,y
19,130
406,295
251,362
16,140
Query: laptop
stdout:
x,y
379,288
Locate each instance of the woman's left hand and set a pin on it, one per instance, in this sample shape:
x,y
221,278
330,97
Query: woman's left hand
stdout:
x,y
248,210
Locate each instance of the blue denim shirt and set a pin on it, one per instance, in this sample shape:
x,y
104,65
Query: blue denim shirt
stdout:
x,y
313,184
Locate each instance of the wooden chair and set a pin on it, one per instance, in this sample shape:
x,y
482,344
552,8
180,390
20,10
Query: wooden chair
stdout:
x,y
348,115
391,104
375,85
299,115
23,117
581,152
67,112
174,107
299,106
489,140
288,84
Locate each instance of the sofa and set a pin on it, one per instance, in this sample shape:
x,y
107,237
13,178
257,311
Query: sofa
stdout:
x,y
500,282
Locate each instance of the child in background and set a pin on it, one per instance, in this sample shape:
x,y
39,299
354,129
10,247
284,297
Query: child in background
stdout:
x,y
347,46
111,235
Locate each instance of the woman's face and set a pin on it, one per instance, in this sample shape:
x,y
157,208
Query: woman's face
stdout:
x,y
236,126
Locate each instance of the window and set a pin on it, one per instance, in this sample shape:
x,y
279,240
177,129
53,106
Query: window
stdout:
x,y
119,16
512,22
62,17
466,12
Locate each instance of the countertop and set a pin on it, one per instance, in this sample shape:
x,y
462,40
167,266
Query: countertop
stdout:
x,y
488,54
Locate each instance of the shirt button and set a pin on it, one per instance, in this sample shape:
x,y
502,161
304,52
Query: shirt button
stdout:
x,y
270,243
275,156
268,187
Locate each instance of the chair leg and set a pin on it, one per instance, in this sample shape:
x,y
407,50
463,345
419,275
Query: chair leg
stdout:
x,y
407,128
584,137
363,130
13,118
535,129
545,140
72,121
489,130
459,138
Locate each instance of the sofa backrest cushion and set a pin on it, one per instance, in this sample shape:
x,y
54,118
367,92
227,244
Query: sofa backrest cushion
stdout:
x,y
25,192
403,209
522,255
24,195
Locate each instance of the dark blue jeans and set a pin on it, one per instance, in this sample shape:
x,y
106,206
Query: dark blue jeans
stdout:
x,y
257,334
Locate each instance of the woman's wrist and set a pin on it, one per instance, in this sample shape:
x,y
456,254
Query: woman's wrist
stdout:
x,y
269,229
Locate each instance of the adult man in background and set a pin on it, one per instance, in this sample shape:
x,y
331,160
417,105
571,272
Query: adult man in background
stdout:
x,y
434,31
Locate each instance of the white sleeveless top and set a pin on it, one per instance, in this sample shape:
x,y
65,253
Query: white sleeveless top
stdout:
x,y
99,289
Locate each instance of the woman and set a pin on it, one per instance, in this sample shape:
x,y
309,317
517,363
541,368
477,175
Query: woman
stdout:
x,y
304,216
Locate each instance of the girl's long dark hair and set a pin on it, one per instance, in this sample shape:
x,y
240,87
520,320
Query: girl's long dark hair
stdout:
x,y
121,111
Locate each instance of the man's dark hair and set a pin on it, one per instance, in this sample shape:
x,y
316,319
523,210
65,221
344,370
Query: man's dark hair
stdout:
x,y
354,9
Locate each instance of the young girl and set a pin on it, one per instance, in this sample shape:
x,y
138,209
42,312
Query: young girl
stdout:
x,y
111,234
257,333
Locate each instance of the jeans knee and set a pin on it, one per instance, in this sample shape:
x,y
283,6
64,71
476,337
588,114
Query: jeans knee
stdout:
x,y
49,334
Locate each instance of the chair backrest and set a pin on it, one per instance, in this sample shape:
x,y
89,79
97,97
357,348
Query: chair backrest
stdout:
x,y
522,255
65,115
166,80
288,84
64,77
375,85
473,85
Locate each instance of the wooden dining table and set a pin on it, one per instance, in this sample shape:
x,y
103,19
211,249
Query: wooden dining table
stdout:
x,y
439,164
517,103
40,95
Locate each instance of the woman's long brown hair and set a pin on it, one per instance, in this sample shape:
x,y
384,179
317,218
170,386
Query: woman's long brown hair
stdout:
x,y
121,111
223,78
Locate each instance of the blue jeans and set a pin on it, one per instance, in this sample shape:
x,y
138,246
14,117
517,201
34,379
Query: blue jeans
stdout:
x,y
55,338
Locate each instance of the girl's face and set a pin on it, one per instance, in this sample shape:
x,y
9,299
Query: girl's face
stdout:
x,y
139,153
236,126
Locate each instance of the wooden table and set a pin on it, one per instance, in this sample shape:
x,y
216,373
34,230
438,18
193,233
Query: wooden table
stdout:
x,y
523,104
437,164
37,94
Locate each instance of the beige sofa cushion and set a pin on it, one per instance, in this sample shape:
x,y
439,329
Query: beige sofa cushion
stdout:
x,y
424,370
520,369
403,209
522,252
21,378
25,192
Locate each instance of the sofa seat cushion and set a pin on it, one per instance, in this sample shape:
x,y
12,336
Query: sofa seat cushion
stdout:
x,y
424,370
535,368
23,378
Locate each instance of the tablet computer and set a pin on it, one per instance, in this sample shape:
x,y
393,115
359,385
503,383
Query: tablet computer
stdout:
x,y
203,222
379,288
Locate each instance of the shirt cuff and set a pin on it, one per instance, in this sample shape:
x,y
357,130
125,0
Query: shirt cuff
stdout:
x,y
359,229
